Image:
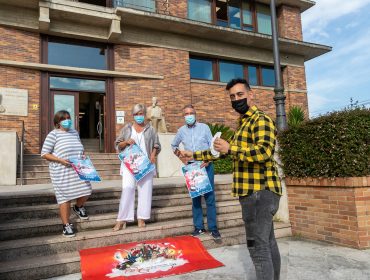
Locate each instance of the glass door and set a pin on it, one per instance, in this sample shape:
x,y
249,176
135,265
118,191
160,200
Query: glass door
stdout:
x,y
66,101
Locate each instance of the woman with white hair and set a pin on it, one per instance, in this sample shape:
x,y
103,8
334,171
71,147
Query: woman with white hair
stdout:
x,y
145,136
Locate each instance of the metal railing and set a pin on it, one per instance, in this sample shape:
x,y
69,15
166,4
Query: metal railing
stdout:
x,y
155,6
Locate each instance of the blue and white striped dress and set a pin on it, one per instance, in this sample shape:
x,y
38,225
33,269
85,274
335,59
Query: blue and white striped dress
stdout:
x,y
67,185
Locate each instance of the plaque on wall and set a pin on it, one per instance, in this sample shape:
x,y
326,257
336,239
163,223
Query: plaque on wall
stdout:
x,y
13,102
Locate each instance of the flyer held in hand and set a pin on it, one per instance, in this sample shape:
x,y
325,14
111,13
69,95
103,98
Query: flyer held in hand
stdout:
x,y
196,179
85,169
136,162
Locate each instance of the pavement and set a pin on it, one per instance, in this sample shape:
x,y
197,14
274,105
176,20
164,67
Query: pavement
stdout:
x,y
300,260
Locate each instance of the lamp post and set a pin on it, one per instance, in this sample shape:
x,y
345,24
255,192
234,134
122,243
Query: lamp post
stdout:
x,y
279,97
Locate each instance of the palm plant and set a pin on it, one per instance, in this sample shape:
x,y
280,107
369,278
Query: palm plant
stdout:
x,y
227,132
295,116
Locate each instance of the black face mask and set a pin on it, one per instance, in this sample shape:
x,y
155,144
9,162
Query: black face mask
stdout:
x,y
241,105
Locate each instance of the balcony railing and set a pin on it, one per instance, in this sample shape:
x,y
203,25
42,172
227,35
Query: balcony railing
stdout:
x,y
155,6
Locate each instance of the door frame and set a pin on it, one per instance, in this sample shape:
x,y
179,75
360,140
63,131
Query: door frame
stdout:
x,y
47,103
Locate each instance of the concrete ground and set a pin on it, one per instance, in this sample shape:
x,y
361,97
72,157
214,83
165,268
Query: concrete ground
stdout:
x,y
300,260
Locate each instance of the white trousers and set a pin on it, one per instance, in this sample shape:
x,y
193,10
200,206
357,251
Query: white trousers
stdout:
x,y
127,203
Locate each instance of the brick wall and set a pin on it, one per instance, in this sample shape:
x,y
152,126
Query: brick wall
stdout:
x,y
336,211
173,92
22,46
294,79
289,21
178,8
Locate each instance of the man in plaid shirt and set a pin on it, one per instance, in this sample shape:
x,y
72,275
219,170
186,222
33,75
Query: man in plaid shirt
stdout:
x,y
255,178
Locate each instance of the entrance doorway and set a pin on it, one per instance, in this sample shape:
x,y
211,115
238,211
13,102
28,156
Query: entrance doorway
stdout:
x,y
87,114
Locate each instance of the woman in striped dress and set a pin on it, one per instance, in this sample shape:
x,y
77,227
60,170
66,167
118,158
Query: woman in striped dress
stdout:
x,y
60,145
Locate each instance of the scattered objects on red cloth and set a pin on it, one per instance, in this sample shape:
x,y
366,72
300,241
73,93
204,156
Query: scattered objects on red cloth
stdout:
x,y
147,259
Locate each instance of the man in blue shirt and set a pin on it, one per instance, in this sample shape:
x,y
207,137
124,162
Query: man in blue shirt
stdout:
x,y
197,136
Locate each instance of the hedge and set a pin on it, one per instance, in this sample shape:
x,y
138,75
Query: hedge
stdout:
x,y
223,166
334,145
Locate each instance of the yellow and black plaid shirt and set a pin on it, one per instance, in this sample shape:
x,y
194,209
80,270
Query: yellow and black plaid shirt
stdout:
x,y
252,149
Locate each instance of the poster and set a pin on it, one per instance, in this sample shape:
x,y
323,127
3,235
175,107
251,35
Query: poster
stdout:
x,y
137,163
196,179
146,259
85,169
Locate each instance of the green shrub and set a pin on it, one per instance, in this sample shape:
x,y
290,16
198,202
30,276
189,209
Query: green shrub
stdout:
x,y
223,165
295,116
335,145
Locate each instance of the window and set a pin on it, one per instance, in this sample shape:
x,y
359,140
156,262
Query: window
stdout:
x,y
268,76
103,3
221,13
230,70
263,19
200,10
252,75
77,55
239,14
247,16
144,5
201,69
224,70
77,84
235,14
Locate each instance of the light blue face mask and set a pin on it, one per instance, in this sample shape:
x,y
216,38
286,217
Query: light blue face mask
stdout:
x,y
190,119
139,119
66,124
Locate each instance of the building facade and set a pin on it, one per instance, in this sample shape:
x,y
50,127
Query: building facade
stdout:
x,y
97,58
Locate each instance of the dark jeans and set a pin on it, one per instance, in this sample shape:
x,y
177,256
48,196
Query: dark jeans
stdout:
x,y
258,210
211,205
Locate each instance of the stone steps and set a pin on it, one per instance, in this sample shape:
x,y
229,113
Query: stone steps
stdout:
x,y
36,170
47,180
96,206
98,166
32,246
29,228
67,263
48,197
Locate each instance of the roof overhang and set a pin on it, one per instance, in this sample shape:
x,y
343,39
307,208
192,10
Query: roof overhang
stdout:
x,y
175,25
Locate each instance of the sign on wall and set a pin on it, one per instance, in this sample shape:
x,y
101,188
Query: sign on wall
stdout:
x,y
13,102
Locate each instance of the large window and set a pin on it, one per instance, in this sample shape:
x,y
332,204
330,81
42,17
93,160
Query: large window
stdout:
x,y
263,19
224,71
230,70
200,10
77,84
239,14
77,54
201,69
144,5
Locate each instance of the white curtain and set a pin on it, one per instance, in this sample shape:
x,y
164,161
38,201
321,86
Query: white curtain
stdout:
x,y
264,19
199,10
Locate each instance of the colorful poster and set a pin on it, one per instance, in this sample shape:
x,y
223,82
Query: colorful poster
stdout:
x,y
196,179
136,162
85,169
146,260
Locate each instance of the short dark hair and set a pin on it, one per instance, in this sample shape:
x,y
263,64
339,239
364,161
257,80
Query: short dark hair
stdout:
x,y
189,106
60,116
233,82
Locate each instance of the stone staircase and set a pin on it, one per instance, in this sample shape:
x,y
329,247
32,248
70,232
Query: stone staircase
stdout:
x,y
36,169
32,246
